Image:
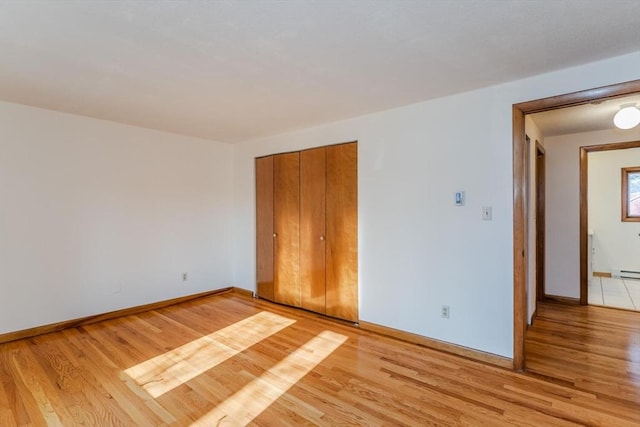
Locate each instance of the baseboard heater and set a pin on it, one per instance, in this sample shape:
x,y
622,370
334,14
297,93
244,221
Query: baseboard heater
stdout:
x,y
626,274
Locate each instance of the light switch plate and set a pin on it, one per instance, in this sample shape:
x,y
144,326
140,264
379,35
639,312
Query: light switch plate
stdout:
x,y
487,214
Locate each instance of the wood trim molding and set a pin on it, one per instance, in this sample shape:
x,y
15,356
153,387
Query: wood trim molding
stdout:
x,y
609,307
584,221
584,207
519,219
612,146
446,347
466,352
244,292
458,350
540,221
624,200
601,274
580,97
519,237
59,326
563,300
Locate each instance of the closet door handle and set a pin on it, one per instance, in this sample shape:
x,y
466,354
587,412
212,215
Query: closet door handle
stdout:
x,y
322,238
275,235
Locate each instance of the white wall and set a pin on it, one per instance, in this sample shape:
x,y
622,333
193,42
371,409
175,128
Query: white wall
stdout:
x,y
562,235
89,207
417,251
616,243
96,216
532,130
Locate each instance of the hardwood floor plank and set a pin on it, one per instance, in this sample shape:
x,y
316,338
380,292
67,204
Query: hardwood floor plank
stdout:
x,y
583,370
595,350
6,415
21,401
103,371
83,396
29,372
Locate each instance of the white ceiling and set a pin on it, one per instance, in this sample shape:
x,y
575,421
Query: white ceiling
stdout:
x,y
235,70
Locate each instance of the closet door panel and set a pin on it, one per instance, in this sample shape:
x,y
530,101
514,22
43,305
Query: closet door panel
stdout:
x,y
264,227
287,228
342,231
312,229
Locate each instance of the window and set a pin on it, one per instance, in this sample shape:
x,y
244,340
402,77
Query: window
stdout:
x,y
631,194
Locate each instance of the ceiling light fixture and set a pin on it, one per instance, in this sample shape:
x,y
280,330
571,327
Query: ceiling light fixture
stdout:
x,y
628,116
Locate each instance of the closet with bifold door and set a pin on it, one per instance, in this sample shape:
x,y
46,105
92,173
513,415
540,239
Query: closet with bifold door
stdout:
x,y
307,229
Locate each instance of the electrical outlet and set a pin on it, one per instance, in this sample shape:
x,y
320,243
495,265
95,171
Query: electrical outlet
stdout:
x,y
185,277
444,311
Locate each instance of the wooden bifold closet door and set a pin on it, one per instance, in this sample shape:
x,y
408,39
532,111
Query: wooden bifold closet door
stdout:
x,y
312,228
307,229
342,232
286,224
264,227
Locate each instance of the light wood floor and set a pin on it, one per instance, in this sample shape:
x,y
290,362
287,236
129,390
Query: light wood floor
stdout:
x,y
595,350
232,360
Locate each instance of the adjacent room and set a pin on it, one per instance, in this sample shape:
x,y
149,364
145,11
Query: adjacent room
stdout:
x,y
326,213
612,190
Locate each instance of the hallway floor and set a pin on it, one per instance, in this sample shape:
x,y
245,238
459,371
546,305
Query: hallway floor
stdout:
x,y
615,292
594,349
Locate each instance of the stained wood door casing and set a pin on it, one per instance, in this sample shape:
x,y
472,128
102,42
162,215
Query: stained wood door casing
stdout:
x,y
342,231
286,200
264,227
312,228
540,221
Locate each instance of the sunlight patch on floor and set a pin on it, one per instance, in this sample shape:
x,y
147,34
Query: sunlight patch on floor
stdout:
x,y
173,368
249,402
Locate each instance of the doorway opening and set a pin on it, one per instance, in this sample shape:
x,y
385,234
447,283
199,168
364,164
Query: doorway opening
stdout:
x,y
610,237
521,184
